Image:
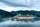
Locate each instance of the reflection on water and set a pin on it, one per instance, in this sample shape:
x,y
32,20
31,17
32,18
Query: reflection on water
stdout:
x,y
9,23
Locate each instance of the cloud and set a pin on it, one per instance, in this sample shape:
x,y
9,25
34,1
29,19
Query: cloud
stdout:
x,y
18,3
14,8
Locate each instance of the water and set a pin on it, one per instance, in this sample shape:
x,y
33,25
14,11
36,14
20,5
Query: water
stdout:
x,y
10,23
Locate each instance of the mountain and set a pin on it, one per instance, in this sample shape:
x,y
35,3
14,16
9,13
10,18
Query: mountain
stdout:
x,y
36,14
14,13
5,15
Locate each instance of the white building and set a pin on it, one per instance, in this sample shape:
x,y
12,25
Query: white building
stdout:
x,y
20,17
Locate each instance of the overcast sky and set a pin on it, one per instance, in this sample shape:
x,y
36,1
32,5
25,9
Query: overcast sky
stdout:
x,y
31,5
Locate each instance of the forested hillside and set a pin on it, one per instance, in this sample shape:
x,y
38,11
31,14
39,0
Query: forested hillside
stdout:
x,y
6,14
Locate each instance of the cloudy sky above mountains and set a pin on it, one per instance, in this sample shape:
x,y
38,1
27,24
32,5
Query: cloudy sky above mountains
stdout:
x,y
14,5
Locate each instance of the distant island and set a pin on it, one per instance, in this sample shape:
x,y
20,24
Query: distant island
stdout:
x,y
20,15
35,15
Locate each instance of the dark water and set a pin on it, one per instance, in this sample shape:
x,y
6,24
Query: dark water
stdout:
x,y
10,23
